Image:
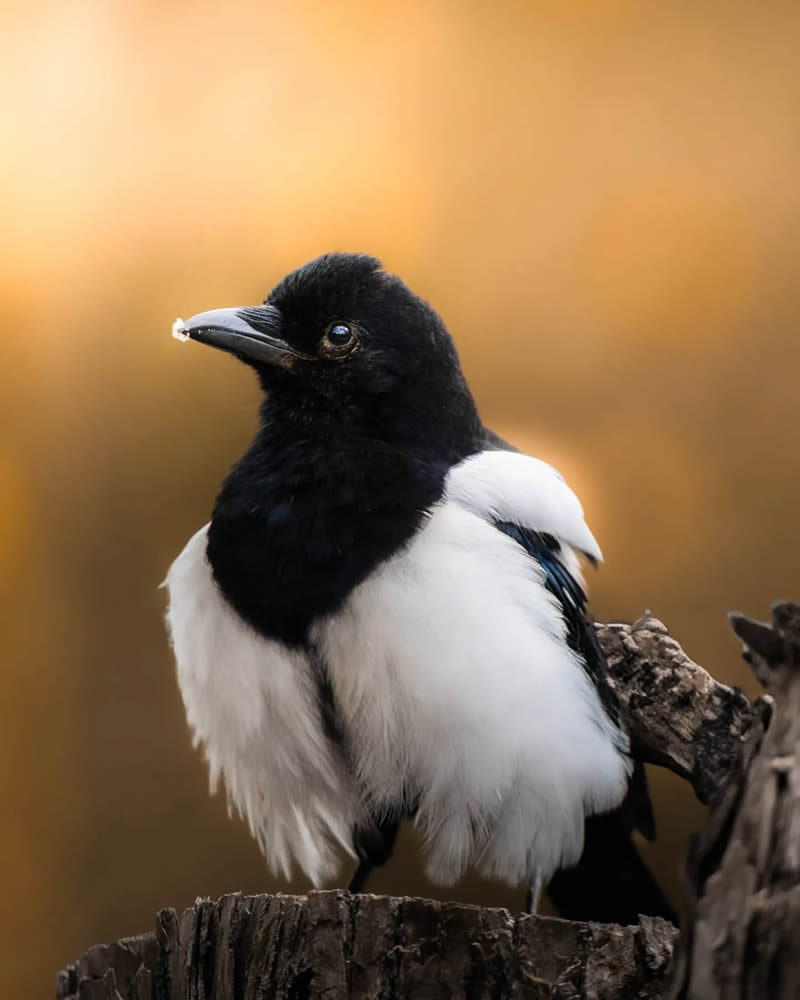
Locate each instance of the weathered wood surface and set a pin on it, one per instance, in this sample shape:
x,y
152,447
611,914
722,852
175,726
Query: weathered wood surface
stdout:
x,y
678,715
743,878
333,945
743,937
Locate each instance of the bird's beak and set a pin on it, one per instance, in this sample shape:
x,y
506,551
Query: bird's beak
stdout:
x,y
251,333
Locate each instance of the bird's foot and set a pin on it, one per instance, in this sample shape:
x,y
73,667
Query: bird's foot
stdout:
x,y
535,886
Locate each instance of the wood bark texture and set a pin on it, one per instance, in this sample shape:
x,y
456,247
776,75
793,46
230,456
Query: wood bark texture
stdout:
x,y
742,879
743,937
677,715
333,945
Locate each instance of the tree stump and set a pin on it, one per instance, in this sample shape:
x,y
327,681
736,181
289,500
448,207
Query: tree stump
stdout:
x,y
743,878
334,945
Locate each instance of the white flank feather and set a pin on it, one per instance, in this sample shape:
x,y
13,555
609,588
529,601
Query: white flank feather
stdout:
x,y
252,705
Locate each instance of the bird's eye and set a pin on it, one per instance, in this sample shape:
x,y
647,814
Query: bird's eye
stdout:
x,y
340,334
340,338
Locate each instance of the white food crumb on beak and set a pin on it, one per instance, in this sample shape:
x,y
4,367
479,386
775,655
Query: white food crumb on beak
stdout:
x,y
178,331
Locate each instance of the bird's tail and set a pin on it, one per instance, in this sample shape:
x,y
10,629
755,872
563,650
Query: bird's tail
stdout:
x,y
611,883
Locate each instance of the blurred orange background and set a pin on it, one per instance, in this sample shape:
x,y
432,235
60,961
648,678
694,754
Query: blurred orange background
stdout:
x,y
601,198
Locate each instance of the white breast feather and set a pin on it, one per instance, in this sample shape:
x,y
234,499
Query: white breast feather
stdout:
x,y
450,667
252,705
453,682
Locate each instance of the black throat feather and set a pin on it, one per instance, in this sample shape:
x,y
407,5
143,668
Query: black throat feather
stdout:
x,y
306,515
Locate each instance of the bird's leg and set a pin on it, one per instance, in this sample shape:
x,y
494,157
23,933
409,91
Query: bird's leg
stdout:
x,y
358,882
373,845
534,891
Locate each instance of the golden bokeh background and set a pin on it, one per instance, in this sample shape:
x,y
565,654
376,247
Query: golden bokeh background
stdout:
x,y
602,198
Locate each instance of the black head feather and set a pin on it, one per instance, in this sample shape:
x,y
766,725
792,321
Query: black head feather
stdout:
x,y
398,380
358,434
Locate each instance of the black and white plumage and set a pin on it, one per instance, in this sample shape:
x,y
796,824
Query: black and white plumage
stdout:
x,y
385,617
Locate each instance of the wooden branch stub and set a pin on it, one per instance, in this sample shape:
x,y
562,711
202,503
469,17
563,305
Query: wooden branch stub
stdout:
x,y
757,638
337,946
677,714
765,646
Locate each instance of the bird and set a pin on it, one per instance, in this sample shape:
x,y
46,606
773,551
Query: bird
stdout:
x,y
385,619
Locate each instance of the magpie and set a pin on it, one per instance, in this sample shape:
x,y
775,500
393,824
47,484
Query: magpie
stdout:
x,y
385,618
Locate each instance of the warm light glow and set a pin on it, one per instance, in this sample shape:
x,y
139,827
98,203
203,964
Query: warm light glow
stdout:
x,y
600,199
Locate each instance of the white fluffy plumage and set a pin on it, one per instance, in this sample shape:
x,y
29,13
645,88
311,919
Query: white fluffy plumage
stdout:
x,y
451,675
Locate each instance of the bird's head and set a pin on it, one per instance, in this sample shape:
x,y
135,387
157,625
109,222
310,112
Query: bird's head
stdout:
x,y
342,337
